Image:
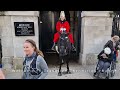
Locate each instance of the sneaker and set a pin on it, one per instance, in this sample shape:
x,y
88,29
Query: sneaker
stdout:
x,y
102,71
95,74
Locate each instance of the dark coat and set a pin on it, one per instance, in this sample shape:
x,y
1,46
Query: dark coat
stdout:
x,y
110,45
109,59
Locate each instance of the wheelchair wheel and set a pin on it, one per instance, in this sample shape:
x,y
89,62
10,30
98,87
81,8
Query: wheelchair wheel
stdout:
x,y
113,66
113,69
108,76
112,73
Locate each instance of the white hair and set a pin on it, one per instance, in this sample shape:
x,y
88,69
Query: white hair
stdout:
x,y
107,50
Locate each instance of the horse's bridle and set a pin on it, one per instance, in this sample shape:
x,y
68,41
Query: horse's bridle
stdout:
x,y
65,34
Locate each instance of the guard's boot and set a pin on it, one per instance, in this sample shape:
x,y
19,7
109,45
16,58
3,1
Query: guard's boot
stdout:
x,y
73,48
53,47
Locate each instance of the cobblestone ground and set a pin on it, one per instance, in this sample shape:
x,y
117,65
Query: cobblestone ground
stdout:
x,y
77,72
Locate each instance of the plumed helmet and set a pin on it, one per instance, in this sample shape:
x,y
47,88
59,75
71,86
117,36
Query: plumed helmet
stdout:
x,y
62,13
107,50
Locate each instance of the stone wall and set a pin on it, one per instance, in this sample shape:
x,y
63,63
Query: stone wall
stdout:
x,y
96,30
0,39
12,46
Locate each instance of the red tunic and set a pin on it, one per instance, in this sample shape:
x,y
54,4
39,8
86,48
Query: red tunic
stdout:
x,y
63,25
66,25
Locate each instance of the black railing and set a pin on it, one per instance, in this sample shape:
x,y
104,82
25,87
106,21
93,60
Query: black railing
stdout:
x,y
115,24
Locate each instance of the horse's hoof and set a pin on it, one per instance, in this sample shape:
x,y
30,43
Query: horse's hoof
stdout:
x,y
68,72
59,74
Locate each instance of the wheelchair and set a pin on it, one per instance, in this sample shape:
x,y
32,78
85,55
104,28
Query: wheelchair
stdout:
x,y
110,72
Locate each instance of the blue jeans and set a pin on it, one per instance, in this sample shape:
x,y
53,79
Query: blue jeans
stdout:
x,y
103,65
114,56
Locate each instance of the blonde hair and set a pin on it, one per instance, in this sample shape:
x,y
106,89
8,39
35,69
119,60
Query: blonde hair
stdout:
x,y
115,37
39,52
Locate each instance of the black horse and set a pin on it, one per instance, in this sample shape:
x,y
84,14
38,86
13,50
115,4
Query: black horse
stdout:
x,y
64,50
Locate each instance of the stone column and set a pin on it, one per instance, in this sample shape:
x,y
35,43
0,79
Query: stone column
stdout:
x,y
0,37
6,41
12,46
96,30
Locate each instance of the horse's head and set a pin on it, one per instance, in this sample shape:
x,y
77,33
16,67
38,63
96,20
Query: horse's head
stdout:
x,y
64,36
63,44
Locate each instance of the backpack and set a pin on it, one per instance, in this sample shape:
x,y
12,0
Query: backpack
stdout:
x,y
33,68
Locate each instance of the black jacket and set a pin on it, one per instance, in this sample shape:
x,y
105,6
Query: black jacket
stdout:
x,y
110,45
109,59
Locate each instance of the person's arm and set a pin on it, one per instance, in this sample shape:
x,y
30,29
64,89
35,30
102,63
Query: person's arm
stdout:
x,y
58,26
1,75
43,66
107,44
99,55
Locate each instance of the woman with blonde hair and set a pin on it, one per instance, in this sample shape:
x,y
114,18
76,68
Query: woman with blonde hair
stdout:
x,y
34,65
114,44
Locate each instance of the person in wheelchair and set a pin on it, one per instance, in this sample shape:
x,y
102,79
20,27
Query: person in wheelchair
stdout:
x,y
105,58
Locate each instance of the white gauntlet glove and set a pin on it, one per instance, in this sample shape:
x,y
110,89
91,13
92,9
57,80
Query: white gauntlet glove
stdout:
x,y
61,29
64,29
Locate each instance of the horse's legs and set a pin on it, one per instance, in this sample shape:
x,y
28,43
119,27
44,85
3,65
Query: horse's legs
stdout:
x,y
68,70
59,73
67,62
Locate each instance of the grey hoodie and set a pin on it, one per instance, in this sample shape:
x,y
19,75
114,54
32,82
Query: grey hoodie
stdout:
x,y
40,64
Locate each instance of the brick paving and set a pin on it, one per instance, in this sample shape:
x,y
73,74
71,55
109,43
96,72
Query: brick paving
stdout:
x,y
77,72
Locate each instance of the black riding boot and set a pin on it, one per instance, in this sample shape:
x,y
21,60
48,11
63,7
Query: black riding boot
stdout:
x,y
53,47
73,48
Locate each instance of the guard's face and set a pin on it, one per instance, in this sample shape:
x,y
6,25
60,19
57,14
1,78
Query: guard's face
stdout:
x,y
28,49
62,18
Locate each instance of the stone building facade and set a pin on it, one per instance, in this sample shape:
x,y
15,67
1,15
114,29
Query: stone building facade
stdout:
x,y
12,46
96,28
96,31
